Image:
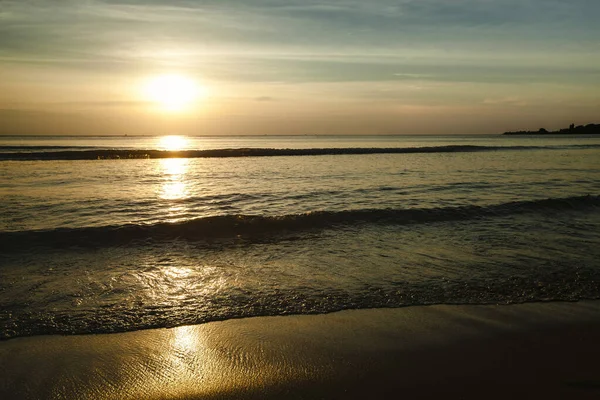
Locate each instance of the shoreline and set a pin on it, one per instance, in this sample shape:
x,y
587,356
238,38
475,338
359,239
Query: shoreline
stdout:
x,y
529,350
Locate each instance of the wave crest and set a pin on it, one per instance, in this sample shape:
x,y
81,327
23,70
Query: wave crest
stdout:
x,y
103,154
253,226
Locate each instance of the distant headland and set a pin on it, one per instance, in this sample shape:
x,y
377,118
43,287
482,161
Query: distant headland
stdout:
x,y
590,129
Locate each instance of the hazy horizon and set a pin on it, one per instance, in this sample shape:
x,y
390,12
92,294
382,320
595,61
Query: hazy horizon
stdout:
x,y
265,67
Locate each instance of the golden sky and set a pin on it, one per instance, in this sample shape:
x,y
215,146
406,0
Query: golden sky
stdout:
x,y
112,67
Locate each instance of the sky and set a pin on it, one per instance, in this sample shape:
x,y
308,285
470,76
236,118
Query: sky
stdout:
x,y
82,67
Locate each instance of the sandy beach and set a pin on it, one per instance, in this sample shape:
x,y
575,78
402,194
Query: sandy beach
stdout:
x,y
542,350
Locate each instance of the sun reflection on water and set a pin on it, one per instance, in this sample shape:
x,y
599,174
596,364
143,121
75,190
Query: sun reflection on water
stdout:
x,y
174,191
174,172
174,167
178,272
174,187
172,143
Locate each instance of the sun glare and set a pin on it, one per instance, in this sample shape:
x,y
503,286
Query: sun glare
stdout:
x,y
173,92
172,143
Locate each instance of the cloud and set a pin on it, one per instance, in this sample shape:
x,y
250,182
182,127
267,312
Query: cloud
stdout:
x,y
509,101
396,51
74,29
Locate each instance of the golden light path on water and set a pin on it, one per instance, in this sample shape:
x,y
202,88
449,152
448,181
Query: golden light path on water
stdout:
x,y
174,172
174,278
172,143
174,189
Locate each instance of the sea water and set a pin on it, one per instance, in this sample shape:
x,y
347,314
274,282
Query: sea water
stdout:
x,y
106,234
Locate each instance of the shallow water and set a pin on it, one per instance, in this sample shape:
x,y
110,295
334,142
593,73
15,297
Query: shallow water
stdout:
x,y
111,245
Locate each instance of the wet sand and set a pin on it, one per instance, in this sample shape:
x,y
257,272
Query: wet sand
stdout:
x,y
542,350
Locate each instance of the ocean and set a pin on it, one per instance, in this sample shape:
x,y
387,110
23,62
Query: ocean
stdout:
x,y
109,234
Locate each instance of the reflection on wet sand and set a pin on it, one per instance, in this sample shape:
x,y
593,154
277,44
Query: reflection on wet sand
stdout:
x,y
529,350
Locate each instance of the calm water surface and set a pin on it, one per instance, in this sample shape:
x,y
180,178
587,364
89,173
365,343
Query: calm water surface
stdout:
x,y
111,244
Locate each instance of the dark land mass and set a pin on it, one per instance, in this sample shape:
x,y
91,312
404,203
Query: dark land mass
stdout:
x,y
590,129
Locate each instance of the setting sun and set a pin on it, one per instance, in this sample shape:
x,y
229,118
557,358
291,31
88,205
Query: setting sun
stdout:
x,y
173,92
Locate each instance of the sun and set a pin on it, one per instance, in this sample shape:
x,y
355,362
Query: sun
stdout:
x,y
173,92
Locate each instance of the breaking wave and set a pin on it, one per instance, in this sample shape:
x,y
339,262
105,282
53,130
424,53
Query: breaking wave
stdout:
x,y
256,226
59,153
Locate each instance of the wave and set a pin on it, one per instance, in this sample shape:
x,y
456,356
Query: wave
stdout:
x,y
123,318
257,226
111,154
